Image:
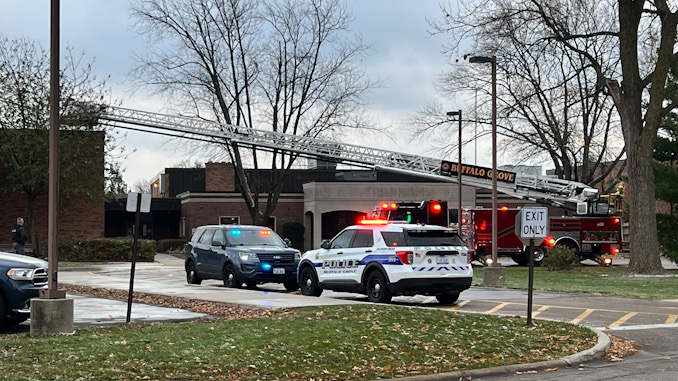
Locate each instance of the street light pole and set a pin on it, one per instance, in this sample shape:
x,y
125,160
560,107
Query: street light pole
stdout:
x,y
494,162
492,60
459,167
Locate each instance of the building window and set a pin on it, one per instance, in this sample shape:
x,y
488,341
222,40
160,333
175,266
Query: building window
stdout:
x,y
182,227
229,220
271,222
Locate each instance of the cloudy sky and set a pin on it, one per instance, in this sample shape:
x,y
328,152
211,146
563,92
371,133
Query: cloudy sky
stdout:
x,y
403,56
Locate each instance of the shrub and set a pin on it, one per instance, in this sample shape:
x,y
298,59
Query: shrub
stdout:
x,y
667,232
105,250
168,245
559,258
294,231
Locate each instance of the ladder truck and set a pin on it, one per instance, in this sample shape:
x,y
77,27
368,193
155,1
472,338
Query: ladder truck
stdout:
x,y
570,195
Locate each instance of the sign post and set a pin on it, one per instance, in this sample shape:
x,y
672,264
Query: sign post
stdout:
x,y
136,203
533,223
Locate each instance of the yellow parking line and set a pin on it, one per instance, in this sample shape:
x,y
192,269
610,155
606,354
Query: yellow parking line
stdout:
x,y
623,319
458,305
540,310
497,308
672,319
295,292
582,316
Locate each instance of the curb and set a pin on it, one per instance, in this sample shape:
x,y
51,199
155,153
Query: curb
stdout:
x,y
596,351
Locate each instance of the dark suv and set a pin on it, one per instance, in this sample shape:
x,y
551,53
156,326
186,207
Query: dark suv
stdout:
x,y
21,278
240,254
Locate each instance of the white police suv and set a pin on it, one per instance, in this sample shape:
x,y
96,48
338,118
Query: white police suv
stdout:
x,y
382,259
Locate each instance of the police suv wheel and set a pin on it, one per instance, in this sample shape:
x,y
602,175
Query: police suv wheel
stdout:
x,y
230,279
448,298
309,283
377,288
191,276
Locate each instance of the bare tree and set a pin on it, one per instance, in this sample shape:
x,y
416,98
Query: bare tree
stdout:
x,y
286,65
549,104
628,40
142,186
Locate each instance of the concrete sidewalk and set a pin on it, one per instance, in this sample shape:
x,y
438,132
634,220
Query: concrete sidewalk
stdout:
x,y
154,278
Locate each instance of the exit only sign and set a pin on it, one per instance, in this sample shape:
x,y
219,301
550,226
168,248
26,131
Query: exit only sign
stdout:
x,y
534,222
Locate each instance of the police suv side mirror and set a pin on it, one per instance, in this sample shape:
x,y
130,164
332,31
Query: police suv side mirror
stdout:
x,y
217,243
325,244
287,242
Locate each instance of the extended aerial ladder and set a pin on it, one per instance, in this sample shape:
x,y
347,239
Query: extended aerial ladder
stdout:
x,y
561,193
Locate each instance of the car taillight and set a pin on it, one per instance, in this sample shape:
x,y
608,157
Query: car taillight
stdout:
x,y
405,256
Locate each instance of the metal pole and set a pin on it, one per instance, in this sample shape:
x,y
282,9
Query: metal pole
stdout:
x,y
530,282
52,291
134,257
494,161
459,170
475,132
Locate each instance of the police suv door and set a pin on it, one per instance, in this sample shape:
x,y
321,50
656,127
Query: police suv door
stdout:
x,y
340,263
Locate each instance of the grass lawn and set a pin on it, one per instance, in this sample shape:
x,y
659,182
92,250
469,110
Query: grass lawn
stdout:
x,y
590,279
330,343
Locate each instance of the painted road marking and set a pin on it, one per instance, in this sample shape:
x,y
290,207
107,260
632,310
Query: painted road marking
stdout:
x,y
458,305
582,316
671,319
497,308
540,310
638,327
623,319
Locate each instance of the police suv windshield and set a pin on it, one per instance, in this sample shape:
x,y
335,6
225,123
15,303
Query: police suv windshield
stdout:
x,y
422,238
253,237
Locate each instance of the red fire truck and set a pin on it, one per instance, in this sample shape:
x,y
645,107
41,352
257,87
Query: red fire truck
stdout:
x,y
597,237
591,237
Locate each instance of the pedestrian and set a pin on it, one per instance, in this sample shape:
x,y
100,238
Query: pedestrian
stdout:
x,y
19,236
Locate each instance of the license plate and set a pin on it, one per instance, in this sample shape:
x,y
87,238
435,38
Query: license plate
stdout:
x,y
442,261
278,270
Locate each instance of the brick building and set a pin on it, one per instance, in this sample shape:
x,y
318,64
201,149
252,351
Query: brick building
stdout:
x,y
78,218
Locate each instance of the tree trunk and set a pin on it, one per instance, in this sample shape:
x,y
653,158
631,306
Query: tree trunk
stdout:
x,y
645,257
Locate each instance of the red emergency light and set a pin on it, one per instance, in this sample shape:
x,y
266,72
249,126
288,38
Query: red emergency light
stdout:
x,y
616,220
436,207
550,241
504,208
374,222
387,206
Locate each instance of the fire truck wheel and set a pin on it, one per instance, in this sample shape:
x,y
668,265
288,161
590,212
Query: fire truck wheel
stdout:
x,y
538,255
572,246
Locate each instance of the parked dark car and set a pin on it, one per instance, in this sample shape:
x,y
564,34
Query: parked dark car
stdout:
x,y
21,279
240,254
